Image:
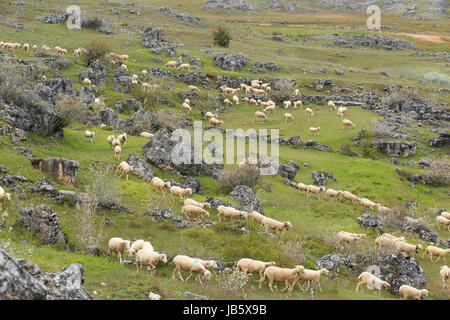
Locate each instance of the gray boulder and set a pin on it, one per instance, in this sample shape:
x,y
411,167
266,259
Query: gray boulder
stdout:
x,y
368,221
140,168
230,62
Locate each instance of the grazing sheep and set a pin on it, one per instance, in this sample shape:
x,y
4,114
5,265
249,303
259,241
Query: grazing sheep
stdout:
x,y
193,88
34,48
125,168
89,135
287,117
296,92
45,48
315,190
124,57
260,115
252,102
117,152
146,135
336,194
159,184
208,115
119,246
193,210
124,67
144,73
387,240
384,211
372,280
229,212
122,138
297,104
252,266
444,221
3,197
202,205
407,248
367,203
140,245
445,275
172,64
134,83
269,109
435,251
341,111
236,100
44,77
314,130
278,274
110,139
268,90
331,105
259,92
412,220
310,275
445,214
349,196
287,104
227,102
183,262
208,263
347,124
348,237
302,187
309,111
146,86
411,293
86,82
184,66
26,47
258,217
149,258
215,122
115,142
273,224
186,107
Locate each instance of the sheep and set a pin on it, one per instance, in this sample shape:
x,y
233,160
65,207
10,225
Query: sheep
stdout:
x,y
349,196
411,220
253,266
445,275
341,111
407,248
124,67
171,63
134,83
258,217
310,275
268,89
297,104
269,109
372,280
202,205
347,123
186,107
331,105
296,92
227,102
411,293
246,99
117,152
110,140
139,245
184,66
193,88
44,77
367,203
248,90
259,92
208,115
34,48
125,168
278,274
119,246
215,122
236,100
3,197
208,263
144,73
146,135
187,101
122,138
146,86
309,111
183,262
444,221
302,187
384,211
231,91
159,184
315,190
445,214
260,115
124,57
149,258
287,116
287,104
387,240
314,130
45,48
86,82
336,194
348,237
229,212
435,251
252,102
273,224
26,47
194,210
64,52
89,135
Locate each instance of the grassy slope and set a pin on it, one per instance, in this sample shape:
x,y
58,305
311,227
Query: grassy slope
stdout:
x,y
375,179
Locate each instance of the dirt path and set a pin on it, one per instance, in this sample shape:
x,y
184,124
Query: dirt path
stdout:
x,y
424,37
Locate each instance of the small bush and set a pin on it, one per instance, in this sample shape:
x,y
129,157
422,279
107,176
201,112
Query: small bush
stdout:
x,y
382,129
283,90
247,175
222,36
346,148
369,151
103,189
165,119
399,95
438,174
96,50
92,23
72,109
88,229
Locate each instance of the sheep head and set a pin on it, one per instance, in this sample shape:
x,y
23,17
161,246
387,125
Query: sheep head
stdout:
x,y
127,244
385,284
164,258
324,271
167,184
207,274
8,196
207,205
287,225
189,191
322,188
424,292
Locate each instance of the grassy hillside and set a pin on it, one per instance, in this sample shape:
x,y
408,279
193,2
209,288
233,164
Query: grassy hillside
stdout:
x,y
314,221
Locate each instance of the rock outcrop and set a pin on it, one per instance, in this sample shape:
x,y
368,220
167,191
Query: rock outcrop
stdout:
x,y
64,170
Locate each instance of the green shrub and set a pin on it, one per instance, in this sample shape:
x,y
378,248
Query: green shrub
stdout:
x,y
438,174
247,175
222,36
369,151
96,50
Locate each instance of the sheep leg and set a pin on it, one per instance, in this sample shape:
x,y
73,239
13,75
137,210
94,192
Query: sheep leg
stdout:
x,y
359,285
260,282
179,275
173,273
270,284
318,284
153,269
286,282
190,274
120,257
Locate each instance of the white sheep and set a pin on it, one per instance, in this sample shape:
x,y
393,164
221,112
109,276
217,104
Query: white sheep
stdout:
x,y
297,104
229,212
435,251
310,275
287,116
445,275
407,248
260,115
110,139
183,262
3,197
227,102
193,210
315,190
258,217
278,274
302,187
247,265
336,194
273,224
144,73
208,115
159,184
349,237
89,135
86,82
186,107
125,168
124,67
270,109
117,152
331,105
387,240
171,63
347,124
309,111
384,211
213,121
122,138
445,214
367,203
287,104
115,142
411,293
149,258
314,130
236,100
139,245
184,66
444,221
119,246
146,135
347,195
341,111
193,88
370,279
202,205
